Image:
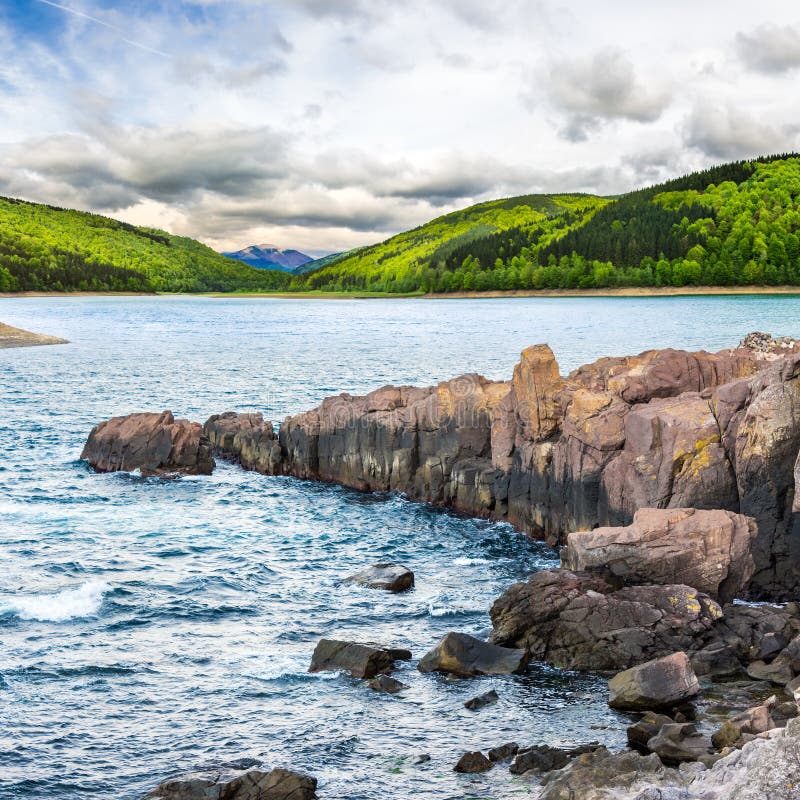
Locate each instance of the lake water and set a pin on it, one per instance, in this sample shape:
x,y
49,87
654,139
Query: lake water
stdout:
x,y
149,626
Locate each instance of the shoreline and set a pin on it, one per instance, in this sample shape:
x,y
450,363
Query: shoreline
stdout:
x,y
17,337
631,291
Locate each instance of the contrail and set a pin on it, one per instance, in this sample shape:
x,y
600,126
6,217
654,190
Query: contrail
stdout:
x,y
106,25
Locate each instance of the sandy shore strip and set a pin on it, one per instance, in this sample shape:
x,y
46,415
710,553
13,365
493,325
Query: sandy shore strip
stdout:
x,y
630,291
16,337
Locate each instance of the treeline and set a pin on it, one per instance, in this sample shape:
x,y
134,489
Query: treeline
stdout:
x,y
735,224
46,248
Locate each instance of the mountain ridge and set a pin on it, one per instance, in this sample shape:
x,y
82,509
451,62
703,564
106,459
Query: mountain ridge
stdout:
x,y
269,256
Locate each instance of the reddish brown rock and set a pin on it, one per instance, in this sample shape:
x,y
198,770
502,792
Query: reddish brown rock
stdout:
x,y
155,444
247,439
709,550
551,454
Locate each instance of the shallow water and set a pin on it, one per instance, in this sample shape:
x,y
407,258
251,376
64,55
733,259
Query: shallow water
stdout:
x,y
148,626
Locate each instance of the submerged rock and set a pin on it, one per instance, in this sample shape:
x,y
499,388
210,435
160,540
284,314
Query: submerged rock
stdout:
x,y
234,784
482,700
155,444
473,763
384,683
389,577
709,550
460,654
359,660
661,683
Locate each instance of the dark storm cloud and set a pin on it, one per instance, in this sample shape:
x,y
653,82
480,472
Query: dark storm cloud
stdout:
x,y
591,91
770,48
729,133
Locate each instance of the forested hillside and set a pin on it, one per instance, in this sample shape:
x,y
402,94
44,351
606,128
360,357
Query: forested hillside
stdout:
x,y
735,224
43,248
445,254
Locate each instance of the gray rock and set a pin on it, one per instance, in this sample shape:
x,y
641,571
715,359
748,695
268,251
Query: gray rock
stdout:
x,y
383,683
778,671
543,758
232,784
640,733
421,758
389,577
504,752
662,683
482,700
359,660
680,742
473,763
461,654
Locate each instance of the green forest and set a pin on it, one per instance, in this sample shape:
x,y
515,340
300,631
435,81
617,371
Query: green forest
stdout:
x,y
43,248
735,224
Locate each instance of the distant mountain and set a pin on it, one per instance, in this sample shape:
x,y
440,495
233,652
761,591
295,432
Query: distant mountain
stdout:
x,y
325,261
267,256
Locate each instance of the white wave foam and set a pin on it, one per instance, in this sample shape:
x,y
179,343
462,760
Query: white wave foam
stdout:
x,y
83,601
463,561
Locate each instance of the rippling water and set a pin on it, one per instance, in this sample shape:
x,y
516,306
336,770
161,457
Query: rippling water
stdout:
x,y
147,626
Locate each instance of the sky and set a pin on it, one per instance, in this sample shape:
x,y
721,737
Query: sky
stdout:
x,y
323,125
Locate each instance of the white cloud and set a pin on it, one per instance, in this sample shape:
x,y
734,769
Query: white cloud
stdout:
x,y
327,124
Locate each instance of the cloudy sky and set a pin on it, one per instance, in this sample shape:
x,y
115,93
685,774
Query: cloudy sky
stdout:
x,y
326,124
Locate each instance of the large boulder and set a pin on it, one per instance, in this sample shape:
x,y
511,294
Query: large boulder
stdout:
x,y
229,783
473,763
679,742
579,621
709,550
661,683
154,444
389,577
461,654
358,660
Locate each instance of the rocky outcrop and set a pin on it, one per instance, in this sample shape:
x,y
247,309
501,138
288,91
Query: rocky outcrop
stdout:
x,y
666,429
581,621
460,654
229,783
709,550
389,577
358,660
661,683
155,444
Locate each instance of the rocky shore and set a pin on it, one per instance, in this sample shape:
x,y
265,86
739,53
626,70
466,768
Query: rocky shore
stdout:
x,y
669,480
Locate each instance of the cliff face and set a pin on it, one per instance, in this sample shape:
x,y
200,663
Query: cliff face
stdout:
x,y
552,454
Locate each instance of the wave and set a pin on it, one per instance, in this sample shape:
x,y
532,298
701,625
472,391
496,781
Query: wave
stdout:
x,y
83,601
